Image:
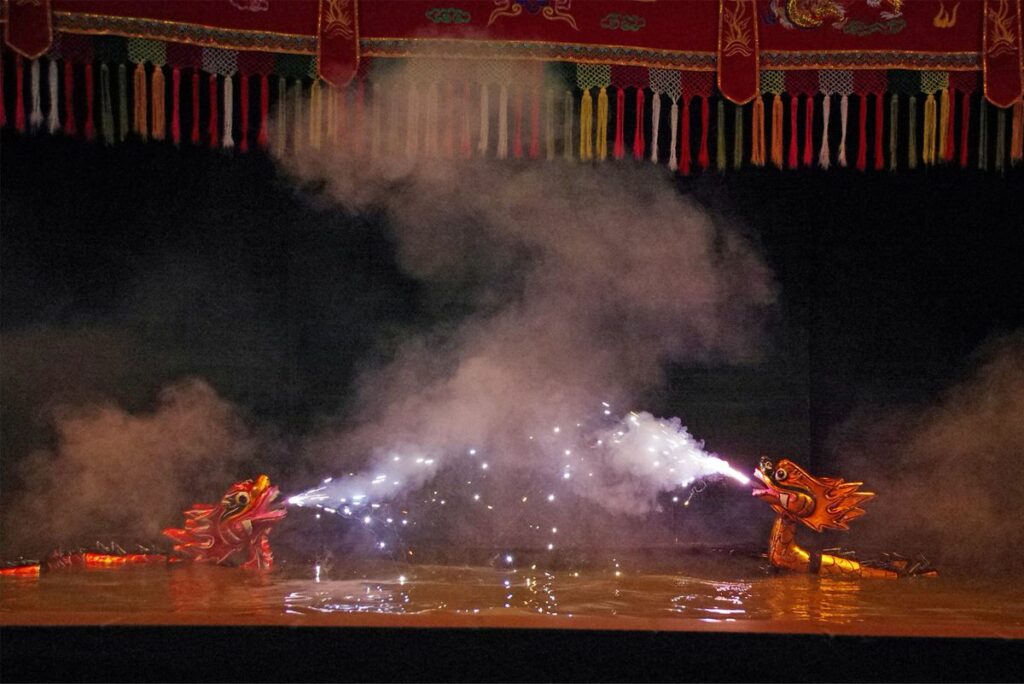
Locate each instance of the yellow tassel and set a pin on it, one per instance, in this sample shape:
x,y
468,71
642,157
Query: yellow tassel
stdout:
x,y
928,144
298,140
586,127
777,131
139,124
943,122
316,106
602,124
1017,134
757,133
332,116
159,114
720,154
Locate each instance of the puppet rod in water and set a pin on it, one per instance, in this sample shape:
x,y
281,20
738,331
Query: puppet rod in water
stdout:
x,y
235,530
820,503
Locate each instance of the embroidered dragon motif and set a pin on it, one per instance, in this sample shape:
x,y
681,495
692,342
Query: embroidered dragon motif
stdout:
x,y
820,503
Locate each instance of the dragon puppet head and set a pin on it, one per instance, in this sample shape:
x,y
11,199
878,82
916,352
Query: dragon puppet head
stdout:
x,y
818,502
236,528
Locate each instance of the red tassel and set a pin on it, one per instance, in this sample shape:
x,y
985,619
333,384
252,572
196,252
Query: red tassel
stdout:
x,y
90,124
465,144
620,112
638,129
176,105
263,137
684,147
449,108
243,94
195,106
862,132
965,124
213,129
70,128
535,123
703,157
19,95
517,137
809,131
793,162
879,131
360,111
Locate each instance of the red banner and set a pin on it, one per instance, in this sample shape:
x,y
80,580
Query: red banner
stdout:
x,y
338,44
28,30
1002,51
738,50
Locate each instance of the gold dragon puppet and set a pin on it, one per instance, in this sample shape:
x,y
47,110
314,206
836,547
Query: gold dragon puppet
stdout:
x,y
820,503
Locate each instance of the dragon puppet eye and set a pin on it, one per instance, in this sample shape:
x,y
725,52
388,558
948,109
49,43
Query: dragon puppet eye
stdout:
x,y
781,475
243,498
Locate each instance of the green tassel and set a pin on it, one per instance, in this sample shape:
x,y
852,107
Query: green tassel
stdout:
x,y
912,127
122,101
737,140
894,120
106,106
983,136
720,153
567,123
1000,140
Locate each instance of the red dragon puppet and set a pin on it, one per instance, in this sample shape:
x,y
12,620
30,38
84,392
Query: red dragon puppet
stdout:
x,y
820,503
233,531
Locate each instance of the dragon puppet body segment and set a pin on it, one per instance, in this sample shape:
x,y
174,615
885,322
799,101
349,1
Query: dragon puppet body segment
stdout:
x,y
237,526
234,530
819,503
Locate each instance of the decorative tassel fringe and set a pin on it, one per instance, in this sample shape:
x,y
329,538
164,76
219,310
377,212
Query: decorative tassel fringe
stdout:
x,y
809,131
638,130
879,131
549,125
894,111
243,96
912,133
53,115
793,150
376,124
485,119
862,132
35,119
1000,164
19,94
449,117
685,154
228,138
176,105
703,156
3,103
433,121
1017,134
158,119
945,132
737,137
357,134
412,122
140,125
194,137
281,129
568,116
586,126
602,124
777,131
213,129
673,135
465,144
90,124
619,150
983,135
517,132
106,106
331,102
928,142
503,121
122,102
655,123
720,153
757,146
535,122
824,160
263,136
844,114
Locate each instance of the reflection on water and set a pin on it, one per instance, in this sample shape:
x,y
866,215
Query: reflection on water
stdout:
x,y
441,594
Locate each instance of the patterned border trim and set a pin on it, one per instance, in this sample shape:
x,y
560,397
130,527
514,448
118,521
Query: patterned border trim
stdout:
x,y
553,52
194,34
882,59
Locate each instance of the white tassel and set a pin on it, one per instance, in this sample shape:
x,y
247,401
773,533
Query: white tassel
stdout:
x,y
826,111
228,139
549,125
655,124
54,117
432,120
412,132
844,108
503,122
35,119
485,120
673,163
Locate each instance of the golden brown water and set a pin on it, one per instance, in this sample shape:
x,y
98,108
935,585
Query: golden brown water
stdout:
x,y
716,596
